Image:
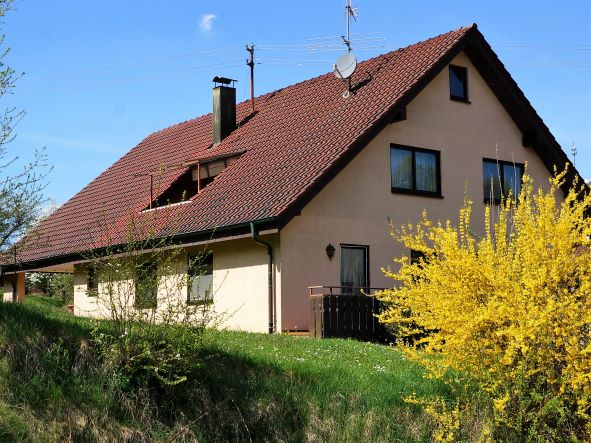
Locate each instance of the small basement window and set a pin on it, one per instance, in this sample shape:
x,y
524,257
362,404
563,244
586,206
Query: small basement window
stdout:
x,y
458,83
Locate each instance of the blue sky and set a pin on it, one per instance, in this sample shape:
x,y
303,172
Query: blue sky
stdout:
x,y
100,76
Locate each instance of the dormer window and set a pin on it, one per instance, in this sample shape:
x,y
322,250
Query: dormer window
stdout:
x,y
196,176
458,83
180,190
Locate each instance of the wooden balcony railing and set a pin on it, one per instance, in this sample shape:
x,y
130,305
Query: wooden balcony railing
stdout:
x,y
345,312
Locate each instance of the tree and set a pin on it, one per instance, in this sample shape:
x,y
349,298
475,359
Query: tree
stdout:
x,y
504,320
21,187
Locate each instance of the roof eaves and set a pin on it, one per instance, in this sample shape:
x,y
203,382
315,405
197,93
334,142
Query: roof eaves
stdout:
x,y
243,228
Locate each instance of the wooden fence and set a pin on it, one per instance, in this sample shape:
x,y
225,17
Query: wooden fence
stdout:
x,y
345,313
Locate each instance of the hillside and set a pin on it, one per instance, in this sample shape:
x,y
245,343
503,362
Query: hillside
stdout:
x,y
244,387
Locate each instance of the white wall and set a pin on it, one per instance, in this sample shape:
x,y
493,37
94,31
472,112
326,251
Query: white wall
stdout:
x,y
239,283
8,291
240,280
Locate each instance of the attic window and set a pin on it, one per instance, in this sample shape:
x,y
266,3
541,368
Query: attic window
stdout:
x,y
458,83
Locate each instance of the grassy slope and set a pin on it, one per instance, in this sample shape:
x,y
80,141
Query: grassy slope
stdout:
x,y
250,387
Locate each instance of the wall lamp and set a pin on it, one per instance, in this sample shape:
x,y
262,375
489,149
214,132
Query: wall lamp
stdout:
x,y
330,251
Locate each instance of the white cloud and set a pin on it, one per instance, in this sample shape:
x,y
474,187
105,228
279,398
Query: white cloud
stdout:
x,y
206,22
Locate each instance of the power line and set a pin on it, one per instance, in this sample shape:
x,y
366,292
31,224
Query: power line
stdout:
x,y
156,76
159,61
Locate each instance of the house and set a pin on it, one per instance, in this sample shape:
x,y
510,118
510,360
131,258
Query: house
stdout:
x,y
314,171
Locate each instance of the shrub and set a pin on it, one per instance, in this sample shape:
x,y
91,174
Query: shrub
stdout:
x,y
154,337
508,314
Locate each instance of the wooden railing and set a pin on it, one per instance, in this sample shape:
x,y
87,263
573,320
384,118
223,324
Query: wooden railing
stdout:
x,y
345,312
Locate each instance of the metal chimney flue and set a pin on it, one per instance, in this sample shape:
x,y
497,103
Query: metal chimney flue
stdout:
x,y
224,108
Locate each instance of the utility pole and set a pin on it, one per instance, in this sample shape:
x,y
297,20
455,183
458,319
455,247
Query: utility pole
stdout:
x,y
250,63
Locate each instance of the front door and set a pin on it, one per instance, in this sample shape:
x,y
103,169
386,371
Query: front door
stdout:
x,y
354,268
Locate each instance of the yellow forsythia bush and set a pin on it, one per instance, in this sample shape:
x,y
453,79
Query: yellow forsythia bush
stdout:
x,y
508,313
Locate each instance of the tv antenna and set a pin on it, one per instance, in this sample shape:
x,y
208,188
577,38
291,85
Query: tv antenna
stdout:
x,y
350,11
573,152
347,63
250,64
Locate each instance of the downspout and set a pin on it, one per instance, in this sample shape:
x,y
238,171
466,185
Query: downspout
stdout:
x,y
272,317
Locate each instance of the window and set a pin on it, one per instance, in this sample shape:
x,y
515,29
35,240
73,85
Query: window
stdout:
x,y
458,83
180,190
146,286
500,178
415,171
354,268
200,271
91,282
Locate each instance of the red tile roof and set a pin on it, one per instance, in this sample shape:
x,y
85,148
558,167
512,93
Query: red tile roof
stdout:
x,y
297,137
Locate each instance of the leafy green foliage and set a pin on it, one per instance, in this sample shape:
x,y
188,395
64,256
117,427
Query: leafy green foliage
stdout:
x,y
49,283
151,356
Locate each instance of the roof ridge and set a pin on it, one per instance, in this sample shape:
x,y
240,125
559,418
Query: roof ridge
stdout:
x,y
377,57
308,80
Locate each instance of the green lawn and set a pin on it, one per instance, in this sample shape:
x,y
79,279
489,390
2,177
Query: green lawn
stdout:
x,y
249,387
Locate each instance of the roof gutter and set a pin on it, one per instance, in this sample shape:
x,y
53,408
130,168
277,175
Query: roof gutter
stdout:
x,y
205,236
271,288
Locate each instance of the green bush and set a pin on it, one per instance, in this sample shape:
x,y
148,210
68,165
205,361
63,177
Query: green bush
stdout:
x,y
151,356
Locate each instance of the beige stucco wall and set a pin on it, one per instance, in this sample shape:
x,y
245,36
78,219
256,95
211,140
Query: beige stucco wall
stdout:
x,y
9,295
358,206
8,291
240,281
239,285
14,282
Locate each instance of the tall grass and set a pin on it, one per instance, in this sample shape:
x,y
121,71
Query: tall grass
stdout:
x,y
55,386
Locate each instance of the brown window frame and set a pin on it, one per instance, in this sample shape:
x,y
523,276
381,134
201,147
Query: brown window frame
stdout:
x,y
140,300
91,282
500,164
414,190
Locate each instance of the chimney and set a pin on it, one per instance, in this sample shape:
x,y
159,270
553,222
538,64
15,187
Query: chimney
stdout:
x,y
224,108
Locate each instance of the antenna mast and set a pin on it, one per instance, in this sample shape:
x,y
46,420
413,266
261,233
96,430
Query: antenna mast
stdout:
x,y
573,152
250,64
349,12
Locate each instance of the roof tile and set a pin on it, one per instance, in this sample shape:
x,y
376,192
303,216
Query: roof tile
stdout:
x,y
297,133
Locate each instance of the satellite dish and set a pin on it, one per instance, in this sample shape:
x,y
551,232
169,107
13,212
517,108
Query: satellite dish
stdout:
x,y
345,66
